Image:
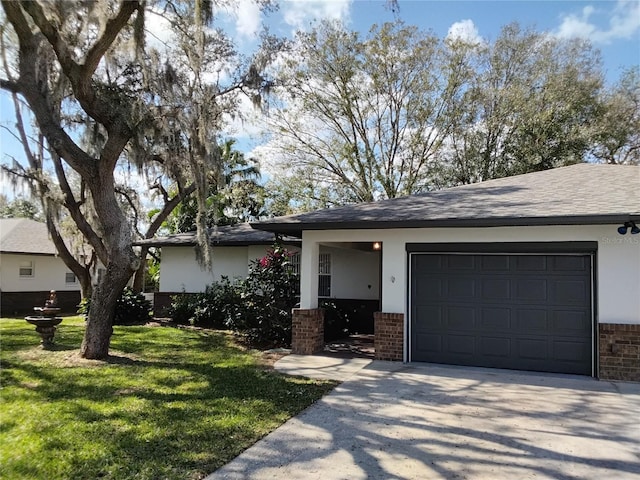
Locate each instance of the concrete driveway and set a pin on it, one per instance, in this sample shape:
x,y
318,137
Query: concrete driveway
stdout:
x,y
395,421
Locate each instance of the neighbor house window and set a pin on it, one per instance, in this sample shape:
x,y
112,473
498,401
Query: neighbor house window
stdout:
x,y
26,269
324,275
69,277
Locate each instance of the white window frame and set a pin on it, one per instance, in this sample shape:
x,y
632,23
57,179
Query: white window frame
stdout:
x,y
27,265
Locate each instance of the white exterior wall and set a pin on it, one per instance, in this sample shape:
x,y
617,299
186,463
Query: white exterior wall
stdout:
x,y
48,274
354,274
179,270
617,266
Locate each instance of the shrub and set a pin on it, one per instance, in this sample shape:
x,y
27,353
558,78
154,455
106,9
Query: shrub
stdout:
x,y
259,307
209,309
182,308
267,297
131,308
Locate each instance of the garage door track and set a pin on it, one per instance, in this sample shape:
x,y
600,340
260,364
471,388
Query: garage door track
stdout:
x,y
395,421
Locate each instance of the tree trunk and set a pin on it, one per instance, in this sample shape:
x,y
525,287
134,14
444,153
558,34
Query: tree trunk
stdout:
x,y
138,279
86,288
97,335
122,263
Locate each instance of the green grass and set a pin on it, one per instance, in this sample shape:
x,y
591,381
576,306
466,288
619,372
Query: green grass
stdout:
x,y
170,403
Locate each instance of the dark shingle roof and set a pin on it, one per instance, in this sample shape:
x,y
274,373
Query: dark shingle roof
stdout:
x,y
23,235
236,235
577,194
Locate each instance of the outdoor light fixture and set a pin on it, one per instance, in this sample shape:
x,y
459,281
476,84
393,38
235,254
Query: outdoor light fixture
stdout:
x,y
377,245
629,225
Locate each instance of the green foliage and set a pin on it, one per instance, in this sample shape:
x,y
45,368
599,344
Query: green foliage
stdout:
x,y
170,404
267,295
20,208
399,111
259,306
234,196
131,308
209,309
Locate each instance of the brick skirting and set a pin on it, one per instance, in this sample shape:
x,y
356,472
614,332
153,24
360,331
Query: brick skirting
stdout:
x,y
619,352
16,304
389,336
307,331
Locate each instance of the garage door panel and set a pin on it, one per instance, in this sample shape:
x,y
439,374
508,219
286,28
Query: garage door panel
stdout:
x,y
570,321
532,348
460,345
431,288
496,289
495,347
530,263
461,288
570,291
430,263
569,350
531,289
432,318
531,319
428,345
529,312
569,263
495,263
495,319
461,262
460,318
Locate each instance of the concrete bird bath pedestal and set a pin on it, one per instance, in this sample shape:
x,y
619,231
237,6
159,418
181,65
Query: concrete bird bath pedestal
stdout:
x,y
45,324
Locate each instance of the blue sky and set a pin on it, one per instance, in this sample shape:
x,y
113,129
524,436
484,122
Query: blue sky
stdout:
x,y
613,26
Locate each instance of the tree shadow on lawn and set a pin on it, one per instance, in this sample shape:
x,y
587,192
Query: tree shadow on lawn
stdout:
x,y
157,408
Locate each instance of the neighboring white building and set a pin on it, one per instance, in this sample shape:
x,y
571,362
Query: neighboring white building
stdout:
x,y
532,272
30,268
349,273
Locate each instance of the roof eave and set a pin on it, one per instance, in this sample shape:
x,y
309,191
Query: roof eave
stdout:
x,y
296,228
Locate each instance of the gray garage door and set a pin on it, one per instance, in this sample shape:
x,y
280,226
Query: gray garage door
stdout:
x,y
525,312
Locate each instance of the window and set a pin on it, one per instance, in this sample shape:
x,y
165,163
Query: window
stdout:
x,y
26,269
69,277
324,275
294,263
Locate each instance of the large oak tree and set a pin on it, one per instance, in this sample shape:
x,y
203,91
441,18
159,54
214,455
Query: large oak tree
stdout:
x,y
100,98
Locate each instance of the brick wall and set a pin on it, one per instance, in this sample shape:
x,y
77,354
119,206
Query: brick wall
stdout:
x,y
16,304
307,331
619,350
162,302
389,335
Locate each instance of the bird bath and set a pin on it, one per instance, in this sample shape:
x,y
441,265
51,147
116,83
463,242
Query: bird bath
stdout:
x,y
45,324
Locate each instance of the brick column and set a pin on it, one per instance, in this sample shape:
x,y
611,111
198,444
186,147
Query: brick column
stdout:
x,y
389,336
307,331
619,352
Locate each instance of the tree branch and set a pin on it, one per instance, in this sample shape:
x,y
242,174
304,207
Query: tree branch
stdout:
x,y
111,30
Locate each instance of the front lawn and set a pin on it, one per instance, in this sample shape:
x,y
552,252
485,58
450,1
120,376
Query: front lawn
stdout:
x,y
170,403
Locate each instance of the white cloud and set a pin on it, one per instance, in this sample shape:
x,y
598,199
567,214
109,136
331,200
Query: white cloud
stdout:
x,y
249,19
466,31
623,22
158,30
301,13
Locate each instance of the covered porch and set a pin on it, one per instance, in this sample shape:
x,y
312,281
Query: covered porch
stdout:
x,y
353,276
